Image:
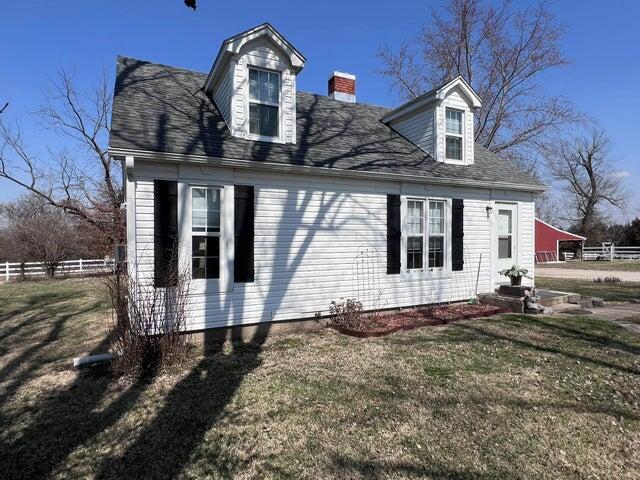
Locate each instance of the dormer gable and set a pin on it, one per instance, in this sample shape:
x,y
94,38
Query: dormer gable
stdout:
x,y
440,122
253,83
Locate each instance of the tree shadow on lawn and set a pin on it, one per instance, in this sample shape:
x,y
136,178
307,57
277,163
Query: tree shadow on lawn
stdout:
x,y
189,411
548,349
51,311
594,339
70,418
374,469
55,419
62,422
38,302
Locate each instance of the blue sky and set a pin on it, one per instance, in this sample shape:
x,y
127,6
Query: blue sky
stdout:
x,y
38,36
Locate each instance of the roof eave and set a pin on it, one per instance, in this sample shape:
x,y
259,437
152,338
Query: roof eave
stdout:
x,y
121,153
580,237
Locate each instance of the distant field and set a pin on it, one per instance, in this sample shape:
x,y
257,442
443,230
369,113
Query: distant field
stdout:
x,y
616,265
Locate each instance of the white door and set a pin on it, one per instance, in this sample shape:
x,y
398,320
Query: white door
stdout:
x,y
507,241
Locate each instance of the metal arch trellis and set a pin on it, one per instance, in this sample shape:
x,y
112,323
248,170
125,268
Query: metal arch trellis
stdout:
x,y
365,276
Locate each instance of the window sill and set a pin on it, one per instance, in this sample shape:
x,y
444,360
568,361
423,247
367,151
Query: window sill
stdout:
x,y
263,138
429,273
199,286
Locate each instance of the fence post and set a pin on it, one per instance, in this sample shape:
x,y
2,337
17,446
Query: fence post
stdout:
x,y
6,271
613,247
80,266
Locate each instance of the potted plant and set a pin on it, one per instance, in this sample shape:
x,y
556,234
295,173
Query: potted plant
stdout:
x,y
515,274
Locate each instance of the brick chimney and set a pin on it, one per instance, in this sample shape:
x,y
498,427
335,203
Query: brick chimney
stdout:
x,y
342,86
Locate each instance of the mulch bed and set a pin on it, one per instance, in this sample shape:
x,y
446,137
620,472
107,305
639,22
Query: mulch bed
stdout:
x,y
381,324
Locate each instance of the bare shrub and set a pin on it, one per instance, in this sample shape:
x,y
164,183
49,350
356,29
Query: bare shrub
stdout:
x,y
346,313
610,279
147,322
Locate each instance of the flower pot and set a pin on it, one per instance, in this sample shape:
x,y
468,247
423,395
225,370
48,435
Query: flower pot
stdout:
x,y
515,281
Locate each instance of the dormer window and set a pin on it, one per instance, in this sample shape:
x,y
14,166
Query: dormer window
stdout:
x,y
453,134
264,102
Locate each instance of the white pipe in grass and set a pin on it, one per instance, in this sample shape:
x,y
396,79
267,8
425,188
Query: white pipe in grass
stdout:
x,y
91,359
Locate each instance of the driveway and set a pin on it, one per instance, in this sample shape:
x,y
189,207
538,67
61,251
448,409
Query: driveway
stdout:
x,y
586,274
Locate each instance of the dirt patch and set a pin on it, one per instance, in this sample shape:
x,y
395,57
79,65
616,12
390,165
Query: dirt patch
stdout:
x,y
381,324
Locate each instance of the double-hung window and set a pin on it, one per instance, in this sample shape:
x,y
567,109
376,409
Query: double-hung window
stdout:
x,y
205,232
436,233
453,127
425,228
264,102
415,234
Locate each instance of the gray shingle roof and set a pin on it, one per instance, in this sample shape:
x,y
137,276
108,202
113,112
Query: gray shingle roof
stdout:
x,y
159,108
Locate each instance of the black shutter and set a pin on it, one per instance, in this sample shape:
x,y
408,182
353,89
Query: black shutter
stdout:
x,y
165,232
244,232
393,234
457,234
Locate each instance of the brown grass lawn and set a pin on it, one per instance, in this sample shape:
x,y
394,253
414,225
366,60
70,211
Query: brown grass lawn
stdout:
x,y
610,292
616,265
511,397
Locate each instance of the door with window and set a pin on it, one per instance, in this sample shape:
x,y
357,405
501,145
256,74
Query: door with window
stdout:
x,y
507,241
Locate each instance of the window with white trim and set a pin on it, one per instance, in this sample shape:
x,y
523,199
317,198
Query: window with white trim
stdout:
x,y
453,138
264,102
205,232
436,233
426,231
415,234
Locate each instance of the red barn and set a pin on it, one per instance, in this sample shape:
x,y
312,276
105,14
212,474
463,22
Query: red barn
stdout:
x,y
548,240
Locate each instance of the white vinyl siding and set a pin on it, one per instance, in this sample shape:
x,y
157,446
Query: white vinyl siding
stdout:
x,y
426,128
526,232
222,95
418,129
308,231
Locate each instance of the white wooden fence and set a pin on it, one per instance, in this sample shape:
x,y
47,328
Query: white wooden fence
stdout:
x,y
610,253
80,267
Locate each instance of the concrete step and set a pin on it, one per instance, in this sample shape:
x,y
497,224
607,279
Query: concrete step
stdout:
x,y
559,298
561,307
548,298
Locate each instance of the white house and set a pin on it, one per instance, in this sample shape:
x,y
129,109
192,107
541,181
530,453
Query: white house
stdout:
x,y
281,201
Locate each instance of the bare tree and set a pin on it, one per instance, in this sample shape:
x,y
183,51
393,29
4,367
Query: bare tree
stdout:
x,y
585,170
501,52
81,180
37,232
4,107
548,209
